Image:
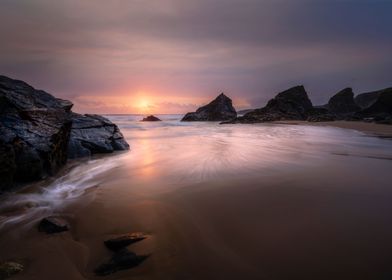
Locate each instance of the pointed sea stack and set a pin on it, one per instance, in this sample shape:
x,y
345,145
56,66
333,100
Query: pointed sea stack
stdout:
x,y
342,104
220,109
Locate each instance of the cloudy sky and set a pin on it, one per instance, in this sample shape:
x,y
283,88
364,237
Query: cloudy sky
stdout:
x,y
138,56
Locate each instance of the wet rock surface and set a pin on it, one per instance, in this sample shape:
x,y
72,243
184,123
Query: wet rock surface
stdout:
x,y
38,133
124,240
151,118
93,134
53,224
220,109
122,259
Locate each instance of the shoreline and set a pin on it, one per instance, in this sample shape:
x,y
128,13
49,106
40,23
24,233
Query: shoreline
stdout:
x,y
373,129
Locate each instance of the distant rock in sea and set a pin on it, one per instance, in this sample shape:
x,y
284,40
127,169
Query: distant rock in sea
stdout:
x,y
291,104
220,109
38,133
151,118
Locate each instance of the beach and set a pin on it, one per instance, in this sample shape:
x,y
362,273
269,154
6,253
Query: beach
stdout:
x,y
265,201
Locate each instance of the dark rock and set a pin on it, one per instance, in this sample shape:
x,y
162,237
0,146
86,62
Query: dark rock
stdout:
x,y
365,100
122,259
92,134
342,103
320,114
245,111
34,132
382,106
122,241
292,104
9,268
220,109
151,118
53,224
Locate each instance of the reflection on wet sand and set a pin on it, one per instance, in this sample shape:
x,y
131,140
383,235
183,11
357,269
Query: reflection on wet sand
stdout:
x,y
255,202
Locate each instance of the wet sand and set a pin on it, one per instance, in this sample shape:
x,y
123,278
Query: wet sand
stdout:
x,y
217,208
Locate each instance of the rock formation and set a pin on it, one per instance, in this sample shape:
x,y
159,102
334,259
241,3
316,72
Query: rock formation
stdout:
x,y
36,130
342,103
365,100
291,104
220,109
94,134
151,118
381,109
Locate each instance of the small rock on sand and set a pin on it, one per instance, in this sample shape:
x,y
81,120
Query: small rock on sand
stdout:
x,y
53,224
122,259
122,241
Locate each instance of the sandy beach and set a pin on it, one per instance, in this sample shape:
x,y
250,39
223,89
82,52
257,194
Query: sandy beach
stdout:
x,y
268,201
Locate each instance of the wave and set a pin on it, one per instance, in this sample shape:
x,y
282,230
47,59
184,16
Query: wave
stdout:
x,y
27,208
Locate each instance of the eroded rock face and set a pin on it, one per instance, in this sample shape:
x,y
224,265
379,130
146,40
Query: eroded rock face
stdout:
x,y
38,133
291,104
365,100
342,103
93,134
220,109
381,109
34,132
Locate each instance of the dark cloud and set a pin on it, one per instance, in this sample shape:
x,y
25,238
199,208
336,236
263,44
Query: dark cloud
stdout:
x,y
251,49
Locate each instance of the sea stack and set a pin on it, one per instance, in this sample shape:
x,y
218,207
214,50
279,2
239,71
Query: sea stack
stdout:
x,y
220,109
342,103
291,104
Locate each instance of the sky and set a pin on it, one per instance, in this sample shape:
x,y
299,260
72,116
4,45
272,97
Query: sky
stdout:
x,y
171,56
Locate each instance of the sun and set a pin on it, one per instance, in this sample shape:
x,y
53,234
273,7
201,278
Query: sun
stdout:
x,y
143,105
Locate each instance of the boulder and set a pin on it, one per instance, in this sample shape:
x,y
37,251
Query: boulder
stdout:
x,y
53,224
342,103
220,109
151,118
291,104
122,259
122,241
34,132
92,134
381,109
39,132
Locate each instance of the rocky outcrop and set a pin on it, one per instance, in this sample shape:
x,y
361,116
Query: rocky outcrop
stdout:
x,y
381,109
220,109
343,104
34,132
151,118
94,134
124,240
365,100
291,104
37,129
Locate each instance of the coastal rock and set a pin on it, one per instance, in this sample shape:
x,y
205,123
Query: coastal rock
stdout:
x,y
365,100
39,132
151,118
342,103
9,268
34,132
122,241
122,259
92,134
291,104
381,109
220,109
53,224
